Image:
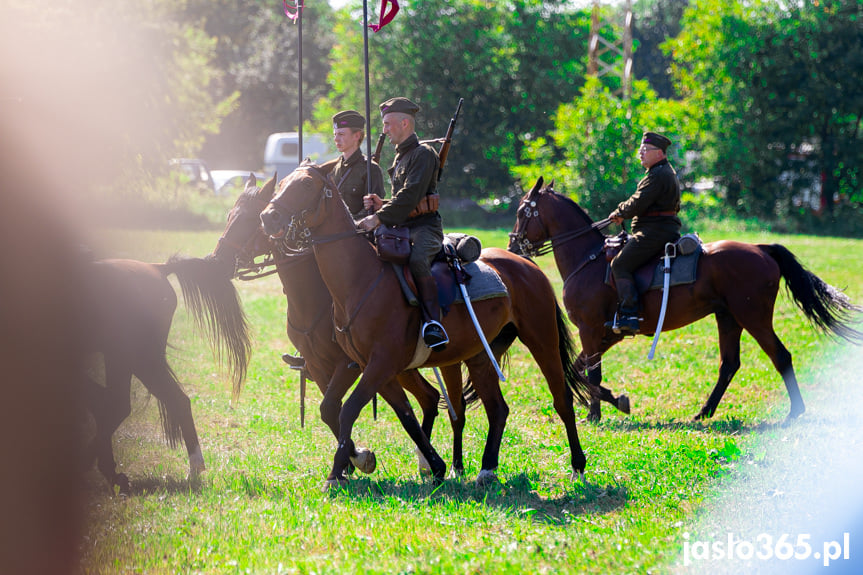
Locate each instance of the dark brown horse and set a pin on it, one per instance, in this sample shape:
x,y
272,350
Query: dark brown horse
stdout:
x,y
379,330
737,282
309,322
131,306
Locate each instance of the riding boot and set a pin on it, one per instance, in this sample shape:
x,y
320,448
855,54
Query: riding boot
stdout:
x,y
295,361
626,319
433,333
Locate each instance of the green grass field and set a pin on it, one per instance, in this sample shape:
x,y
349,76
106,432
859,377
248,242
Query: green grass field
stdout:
x,y
655,480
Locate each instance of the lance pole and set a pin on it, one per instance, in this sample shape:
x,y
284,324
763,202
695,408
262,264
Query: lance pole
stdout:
x,y
300,76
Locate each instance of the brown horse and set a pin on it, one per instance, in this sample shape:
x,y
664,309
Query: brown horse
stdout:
x,y
737,282
379,330
309,322
131,306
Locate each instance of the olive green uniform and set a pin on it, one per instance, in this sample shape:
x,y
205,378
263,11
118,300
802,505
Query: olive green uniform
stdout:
x,y
350,177
653,208
414,175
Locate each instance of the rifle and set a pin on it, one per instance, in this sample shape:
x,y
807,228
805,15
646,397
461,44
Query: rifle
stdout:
x,y
376,157
444,148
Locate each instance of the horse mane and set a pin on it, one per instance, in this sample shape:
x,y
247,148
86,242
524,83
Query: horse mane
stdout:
x,y
581,211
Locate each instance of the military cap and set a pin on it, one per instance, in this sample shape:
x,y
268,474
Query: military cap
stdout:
x,y
654,139
402,105
349,119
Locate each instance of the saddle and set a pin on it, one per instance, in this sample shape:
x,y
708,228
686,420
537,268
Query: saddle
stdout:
x,y
481,280
684,263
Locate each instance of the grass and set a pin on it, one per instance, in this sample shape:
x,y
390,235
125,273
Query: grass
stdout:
x,y
652,476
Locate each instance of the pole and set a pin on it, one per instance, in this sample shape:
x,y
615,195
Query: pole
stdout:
x,y
368,98
368,132
300,75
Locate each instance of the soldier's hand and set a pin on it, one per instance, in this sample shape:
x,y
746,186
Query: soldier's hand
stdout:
x,y
369,223
372,202
616,219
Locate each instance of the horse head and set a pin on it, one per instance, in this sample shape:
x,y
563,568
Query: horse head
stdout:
x,y
546,219
529,233
299,206
243,238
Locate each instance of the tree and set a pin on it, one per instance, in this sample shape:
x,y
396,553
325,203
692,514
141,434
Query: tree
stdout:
x,y
257,46
124,86
591,151
766,83
513,62
654,22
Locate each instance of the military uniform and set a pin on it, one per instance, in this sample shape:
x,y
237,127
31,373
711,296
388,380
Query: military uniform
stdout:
x,y
653,209
414,175
350,177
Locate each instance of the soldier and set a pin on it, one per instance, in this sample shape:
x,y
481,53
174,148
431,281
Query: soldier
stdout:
x,y
349,172
653,209
413,176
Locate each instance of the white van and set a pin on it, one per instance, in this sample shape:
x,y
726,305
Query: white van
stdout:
x,y
280,155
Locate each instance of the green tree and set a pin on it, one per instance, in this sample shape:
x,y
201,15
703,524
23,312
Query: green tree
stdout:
x,y
124,86
257,46
513,62
591,152
768,83
654,21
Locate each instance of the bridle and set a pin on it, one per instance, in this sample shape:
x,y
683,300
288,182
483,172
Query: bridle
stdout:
x,y
243,255
527,208
298,237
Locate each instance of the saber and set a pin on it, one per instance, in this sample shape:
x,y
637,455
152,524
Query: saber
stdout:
x,y
460,280
670,252
445,394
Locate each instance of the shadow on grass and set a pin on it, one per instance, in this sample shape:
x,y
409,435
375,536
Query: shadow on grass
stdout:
x,y
516,496
728,426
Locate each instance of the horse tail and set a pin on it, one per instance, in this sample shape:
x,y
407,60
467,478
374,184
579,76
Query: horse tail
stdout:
x,y
215,306
576,380
170,425
500,349
826,307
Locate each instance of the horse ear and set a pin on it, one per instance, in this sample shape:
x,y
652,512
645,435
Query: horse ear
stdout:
x,y
251,183
551,184
269,187
537,186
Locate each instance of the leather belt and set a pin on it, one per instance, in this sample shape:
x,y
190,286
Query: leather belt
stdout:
x,y
427,205
650,214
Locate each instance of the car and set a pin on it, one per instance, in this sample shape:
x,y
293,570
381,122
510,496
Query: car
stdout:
x,y
232,182
193,173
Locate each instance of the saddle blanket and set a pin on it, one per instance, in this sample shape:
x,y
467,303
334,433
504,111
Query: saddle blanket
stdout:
x,y
683,268
682,272
484,284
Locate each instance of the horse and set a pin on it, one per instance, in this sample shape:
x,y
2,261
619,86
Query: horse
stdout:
x,y
378,329
131,305
736,282
309,318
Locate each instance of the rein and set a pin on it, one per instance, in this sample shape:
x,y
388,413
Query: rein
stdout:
x,y
554,241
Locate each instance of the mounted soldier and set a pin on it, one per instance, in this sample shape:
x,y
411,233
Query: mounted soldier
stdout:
x,y
413,204
653,209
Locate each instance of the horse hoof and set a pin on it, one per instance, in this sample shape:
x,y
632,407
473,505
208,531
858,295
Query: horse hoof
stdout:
x,y
365,460
456,472
486,477
423,463
196,463
594,416
121,481
623,403
578,476
334,484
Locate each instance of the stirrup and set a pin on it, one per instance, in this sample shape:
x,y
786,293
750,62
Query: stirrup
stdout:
x,y
434,335
626,324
